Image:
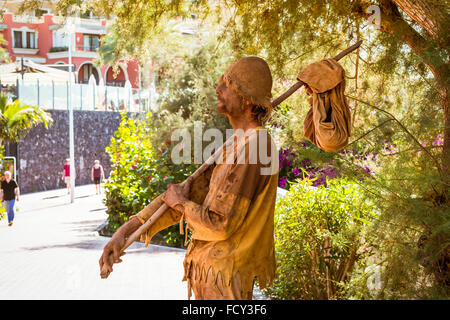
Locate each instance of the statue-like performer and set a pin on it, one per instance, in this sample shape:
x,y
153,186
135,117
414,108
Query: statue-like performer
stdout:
x,y
232,243
229,203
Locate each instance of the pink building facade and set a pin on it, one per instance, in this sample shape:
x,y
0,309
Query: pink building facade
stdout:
x,y
44,40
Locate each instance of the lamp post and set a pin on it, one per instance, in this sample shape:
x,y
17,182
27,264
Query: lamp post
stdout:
x,y
70,29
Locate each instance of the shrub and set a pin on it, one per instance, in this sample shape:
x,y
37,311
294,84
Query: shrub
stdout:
x,y
139,174
319,239
293,166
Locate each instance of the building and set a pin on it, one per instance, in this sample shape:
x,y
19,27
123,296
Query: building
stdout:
x,y
37,42
40,36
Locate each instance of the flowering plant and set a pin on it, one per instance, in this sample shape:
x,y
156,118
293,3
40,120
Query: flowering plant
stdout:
x,y
292,167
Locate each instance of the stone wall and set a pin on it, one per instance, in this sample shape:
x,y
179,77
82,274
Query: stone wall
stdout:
x,y
41,154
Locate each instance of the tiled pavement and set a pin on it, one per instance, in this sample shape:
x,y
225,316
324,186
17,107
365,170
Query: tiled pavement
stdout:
x,y
52,252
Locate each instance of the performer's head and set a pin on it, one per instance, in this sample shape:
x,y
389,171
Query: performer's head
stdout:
x,y
245,90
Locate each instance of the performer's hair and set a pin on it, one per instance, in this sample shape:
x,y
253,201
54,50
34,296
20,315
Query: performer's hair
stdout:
x,y
260,113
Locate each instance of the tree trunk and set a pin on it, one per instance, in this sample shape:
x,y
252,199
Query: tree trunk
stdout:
x,y
433,55
430,16
444,92
433,18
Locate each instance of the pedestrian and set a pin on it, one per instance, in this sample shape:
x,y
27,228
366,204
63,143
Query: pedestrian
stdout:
x,y
66,175
9,194
97,175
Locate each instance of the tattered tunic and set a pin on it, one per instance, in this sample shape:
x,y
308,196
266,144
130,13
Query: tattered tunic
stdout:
x,y
233,223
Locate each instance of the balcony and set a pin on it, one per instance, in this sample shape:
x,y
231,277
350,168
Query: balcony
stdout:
x,y
28,19
79,51
87,48
31,51
82,25
58,49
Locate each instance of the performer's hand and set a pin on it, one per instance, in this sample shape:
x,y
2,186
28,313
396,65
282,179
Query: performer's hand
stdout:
x,y
177,193
113,247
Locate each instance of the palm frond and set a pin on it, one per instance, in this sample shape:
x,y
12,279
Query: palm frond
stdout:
x,y
16,120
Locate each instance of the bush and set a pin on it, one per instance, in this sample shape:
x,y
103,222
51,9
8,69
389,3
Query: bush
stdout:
x,y
139,174
293,165
319,239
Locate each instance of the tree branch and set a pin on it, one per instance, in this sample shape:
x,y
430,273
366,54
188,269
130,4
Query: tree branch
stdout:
x,y
438,167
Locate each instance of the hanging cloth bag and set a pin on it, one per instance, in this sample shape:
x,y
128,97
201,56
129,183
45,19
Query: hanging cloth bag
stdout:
x,y
328,122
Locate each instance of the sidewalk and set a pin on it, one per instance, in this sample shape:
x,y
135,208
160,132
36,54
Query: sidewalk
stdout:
x,y
52,252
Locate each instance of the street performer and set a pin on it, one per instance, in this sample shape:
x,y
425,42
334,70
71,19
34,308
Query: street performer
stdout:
x,y
232,223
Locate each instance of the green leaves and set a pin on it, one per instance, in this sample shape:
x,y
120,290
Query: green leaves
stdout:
x,y
140,173
16,120
318,232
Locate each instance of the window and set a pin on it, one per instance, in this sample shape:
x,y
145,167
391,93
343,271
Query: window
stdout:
x,y
60,38
24,39
91,42
30,40
85,73
18,39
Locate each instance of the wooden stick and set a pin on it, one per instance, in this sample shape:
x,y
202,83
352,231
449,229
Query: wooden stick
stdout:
x,y
299,84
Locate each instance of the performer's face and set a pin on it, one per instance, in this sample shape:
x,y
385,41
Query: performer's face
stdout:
x,y
229,102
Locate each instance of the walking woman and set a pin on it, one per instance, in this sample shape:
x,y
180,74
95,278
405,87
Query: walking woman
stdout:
x,y
97,175
9,195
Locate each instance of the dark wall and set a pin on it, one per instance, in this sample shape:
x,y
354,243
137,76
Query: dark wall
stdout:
x,y
41,154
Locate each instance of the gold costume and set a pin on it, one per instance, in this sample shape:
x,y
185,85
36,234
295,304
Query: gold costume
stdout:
x,y
231,206
233,227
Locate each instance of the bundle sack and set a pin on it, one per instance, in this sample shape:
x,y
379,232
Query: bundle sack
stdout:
x,y
328,122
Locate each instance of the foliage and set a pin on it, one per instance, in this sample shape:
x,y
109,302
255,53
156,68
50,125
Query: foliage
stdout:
x,y
3,53
16,119
190,86
139,174
293,166
58,49
319,239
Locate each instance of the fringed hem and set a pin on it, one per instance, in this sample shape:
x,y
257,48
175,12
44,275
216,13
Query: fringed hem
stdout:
x,y
199,272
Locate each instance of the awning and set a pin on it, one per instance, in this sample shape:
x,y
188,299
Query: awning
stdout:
x,y
9,73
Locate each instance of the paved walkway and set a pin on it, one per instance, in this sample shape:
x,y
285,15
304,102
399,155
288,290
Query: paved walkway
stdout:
x,y
52,252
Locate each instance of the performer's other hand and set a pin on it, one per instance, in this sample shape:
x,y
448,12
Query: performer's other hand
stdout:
x,y
112,249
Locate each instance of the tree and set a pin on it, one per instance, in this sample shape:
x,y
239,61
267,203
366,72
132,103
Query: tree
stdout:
x,y
17,120
272,27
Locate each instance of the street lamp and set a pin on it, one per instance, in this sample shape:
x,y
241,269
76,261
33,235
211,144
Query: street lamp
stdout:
x,y
70,29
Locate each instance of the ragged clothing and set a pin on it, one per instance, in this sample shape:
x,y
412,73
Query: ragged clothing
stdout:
x,y
328,122
233,227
